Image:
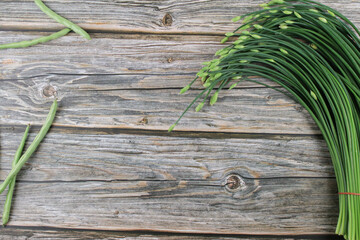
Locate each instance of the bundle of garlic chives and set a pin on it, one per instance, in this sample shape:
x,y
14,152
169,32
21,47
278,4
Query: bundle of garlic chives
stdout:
x,y
312,51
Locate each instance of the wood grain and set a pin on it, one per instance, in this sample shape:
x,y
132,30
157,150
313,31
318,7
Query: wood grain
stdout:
x,y
125,60
92,180
190,17
265,206
16,233
255,110
66,155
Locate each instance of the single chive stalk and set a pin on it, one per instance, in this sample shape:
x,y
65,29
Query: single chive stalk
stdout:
x,y
39,137
33,42
9,195
62,20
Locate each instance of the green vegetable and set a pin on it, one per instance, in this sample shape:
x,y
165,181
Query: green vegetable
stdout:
x,y
24,44
315,56
39,137
62,20
7,206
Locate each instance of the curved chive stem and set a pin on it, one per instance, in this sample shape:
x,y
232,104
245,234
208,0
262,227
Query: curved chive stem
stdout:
x,y
39,137
9,195
33,42
62,20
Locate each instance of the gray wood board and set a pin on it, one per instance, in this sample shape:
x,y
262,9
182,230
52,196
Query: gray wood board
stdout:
x,y
83,154
254,110
187,16
30,233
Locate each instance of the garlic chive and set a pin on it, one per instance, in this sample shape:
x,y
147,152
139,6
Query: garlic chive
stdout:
x,y
257,26
255,36
323,20
283,51
248,19
171,128
235,19
331,13
313,46
184,89
297,15
214,98
313,95
287,12
199,107
233,86
224,40
229,34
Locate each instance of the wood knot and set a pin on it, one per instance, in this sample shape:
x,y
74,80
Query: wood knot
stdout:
x,y
49,91
144,121
234,183
170,60
167,20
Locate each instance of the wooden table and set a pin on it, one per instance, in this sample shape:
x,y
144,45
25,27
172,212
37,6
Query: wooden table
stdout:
x,y
253,164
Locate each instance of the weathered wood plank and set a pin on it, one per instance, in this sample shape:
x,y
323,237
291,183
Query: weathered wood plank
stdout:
x,y
243,110
130,182
94,155
125,60
69,234
266,206
164,16
14,233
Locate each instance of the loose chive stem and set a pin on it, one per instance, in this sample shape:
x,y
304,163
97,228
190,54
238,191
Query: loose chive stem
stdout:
x,y
9,195
62,20
40,136
33,42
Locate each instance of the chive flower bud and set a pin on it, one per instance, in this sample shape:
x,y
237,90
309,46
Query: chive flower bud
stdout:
x,y
323,20
172,127
214,98
239,46
314,10
224,40
284,51
257,26
313,95
331,13
199,107
248,19
184,89
287,12
229,34
256,36
247,26
313,46
235,19
283,26
297,15
233,86
289,22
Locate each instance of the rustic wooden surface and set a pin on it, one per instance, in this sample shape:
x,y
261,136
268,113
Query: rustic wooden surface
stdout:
x,y
109,170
